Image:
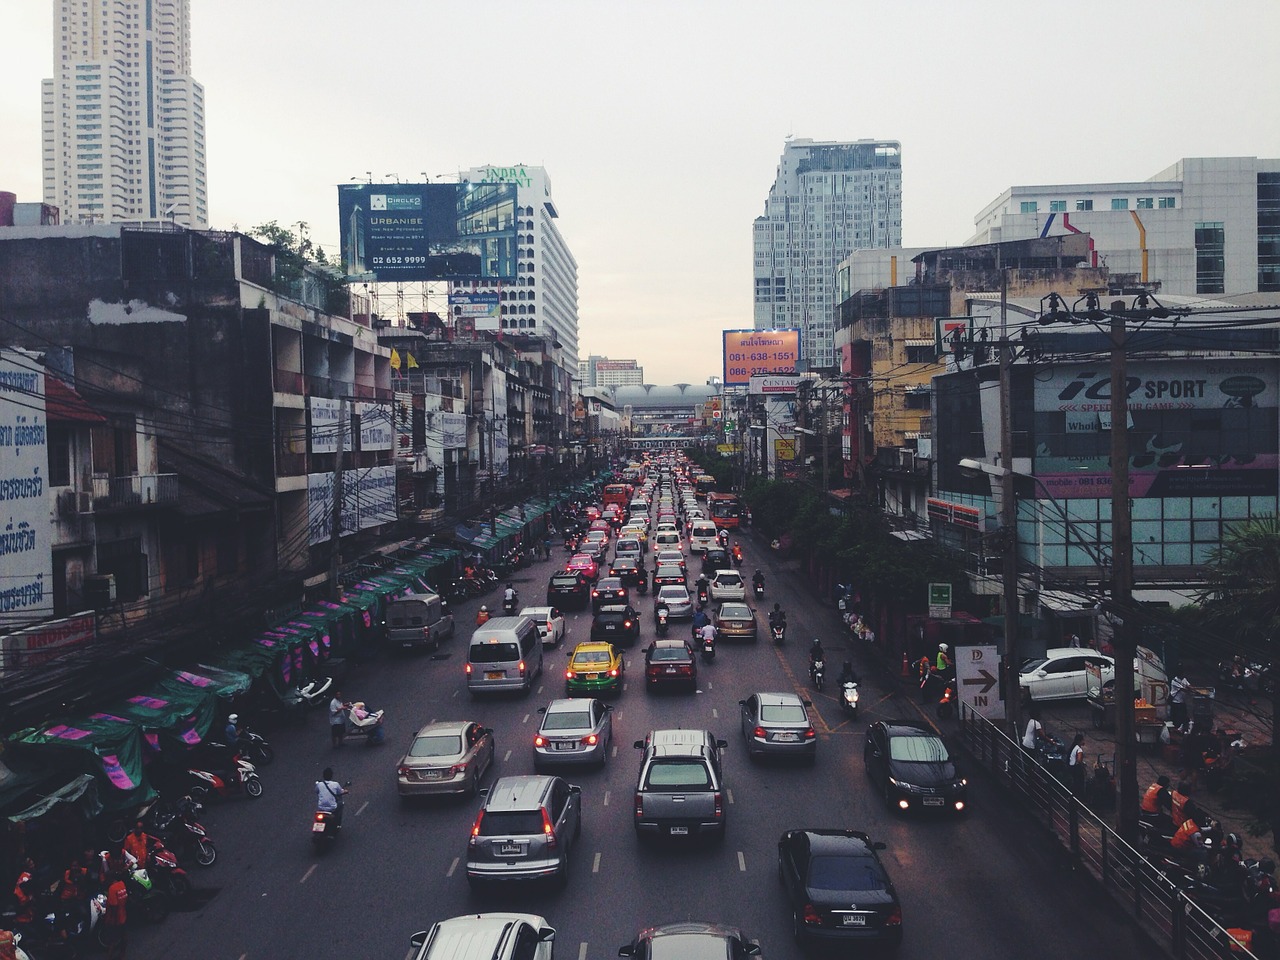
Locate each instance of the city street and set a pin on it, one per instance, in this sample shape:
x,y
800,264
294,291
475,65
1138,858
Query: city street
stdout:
x,y
986,883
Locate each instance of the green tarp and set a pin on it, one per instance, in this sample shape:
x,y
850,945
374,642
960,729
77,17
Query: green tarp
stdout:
x,y
109,746
82,788
171,713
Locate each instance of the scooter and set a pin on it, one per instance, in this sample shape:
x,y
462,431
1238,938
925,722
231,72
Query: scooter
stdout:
x,y
703,593
145,896
510,606
180,831
163,868
254,746
242,777
818,673
324,830
708,650
779,631
370,726
946,703
849,698
316,692
661,619
758,587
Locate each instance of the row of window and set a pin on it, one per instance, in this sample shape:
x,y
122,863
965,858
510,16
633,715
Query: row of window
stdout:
x,y
1117,203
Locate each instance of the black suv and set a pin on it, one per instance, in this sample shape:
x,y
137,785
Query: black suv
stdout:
x,y
608,591
569,589
617,623
631,573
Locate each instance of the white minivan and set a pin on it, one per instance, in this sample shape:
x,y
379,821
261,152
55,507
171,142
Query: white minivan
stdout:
x,y
702,536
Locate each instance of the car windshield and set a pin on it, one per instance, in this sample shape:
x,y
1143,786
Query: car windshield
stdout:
x,y
735,611
692,946
1030,666
567,720
510,823
782,713
494,652
591,656
845,873
438,745
678,775
728,579
917,749
669,653
674,593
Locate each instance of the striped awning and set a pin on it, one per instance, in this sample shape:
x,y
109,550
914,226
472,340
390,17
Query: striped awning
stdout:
x,y
920,342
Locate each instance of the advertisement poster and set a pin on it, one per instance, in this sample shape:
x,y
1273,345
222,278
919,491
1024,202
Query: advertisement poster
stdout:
x,y
368,499
324,424
749,353
376,432
26,557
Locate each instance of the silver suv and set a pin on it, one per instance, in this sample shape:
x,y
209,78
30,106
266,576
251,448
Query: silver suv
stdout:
x,y
486,936
680,791
525,831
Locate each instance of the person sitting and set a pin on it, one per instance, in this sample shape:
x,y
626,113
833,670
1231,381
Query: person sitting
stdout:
x,y
1187,840
232,730
848,674
482,616
757,580
137,844
360,716
737,553
777,616
816,653
700,619
329,794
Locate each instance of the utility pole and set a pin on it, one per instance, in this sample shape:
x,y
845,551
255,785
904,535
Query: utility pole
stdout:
x,y
1124,635
826,441
1008,521
335,531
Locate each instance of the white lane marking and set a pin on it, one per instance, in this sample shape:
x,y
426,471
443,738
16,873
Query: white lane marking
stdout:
x,y
715,713
595,864
454,694
582,951
453,866
742,862
624,688
729,794
526,716
606,798
539,690
615,751
362,808
309,873
708,684
407,956
507,756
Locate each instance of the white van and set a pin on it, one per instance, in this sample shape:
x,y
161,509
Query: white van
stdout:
x,y
666,540
702,536
418,620
505,654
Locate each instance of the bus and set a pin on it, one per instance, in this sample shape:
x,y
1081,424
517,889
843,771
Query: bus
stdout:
x,y
619,493
703,484
725,510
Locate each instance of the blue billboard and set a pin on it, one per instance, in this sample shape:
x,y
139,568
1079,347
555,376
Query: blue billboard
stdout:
x,y
428,231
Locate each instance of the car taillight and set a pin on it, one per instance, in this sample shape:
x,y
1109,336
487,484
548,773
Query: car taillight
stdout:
x,y
590,740
811,915
467,668
402,770
639,804
626,624
810,734
894,919
548,830
539,741
569,674
759,732
613,673
457,768
719,805
475,827
521,668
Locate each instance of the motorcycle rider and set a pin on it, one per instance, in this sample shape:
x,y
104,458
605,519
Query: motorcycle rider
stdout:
x,y
509,595
737,553
707,635
329,794
482,617
757,581
942,663
700,619
232,730
816,655
848,674
703,585
777,617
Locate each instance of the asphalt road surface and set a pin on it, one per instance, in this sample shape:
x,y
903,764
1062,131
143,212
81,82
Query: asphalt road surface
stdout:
x,y
984,884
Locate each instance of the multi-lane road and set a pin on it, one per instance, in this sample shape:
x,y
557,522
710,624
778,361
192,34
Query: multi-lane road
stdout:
x,y
985,884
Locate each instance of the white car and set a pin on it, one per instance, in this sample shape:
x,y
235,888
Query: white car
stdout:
x,y
1059,674
679,603
550,623
727,585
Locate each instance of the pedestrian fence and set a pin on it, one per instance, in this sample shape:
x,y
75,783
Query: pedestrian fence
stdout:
x,y
1155,902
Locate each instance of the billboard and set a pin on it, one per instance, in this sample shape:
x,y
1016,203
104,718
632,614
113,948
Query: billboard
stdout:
x,y
749,353
418,232
482,309
1197,428
368,500
26,588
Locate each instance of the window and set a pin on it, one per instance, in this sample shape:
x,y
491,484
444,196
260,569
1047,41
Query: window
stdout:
x,y
917,400
124,559
1084,204
1119,203
1029,206
1146,203
1057,206
59,456
1168,203
917,354
1210,257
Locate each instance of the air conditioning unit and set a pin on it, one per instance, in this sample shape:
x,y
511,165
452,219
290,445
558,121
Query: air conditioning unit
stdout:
x,y
100,590
66,503
84,501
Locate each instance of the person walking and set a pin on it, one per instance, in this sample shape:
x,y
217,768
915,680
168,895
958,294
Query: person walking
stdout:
x,y
1179,697
1076,764
115,918
338,718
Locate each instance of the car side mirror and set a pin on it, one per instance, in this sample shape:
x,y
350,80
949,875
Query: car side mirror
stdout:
x,y
546,934
751,948
722,744
418,939
807,703
575,789
879,845
542,709
626,951
742,703
639,744
608,707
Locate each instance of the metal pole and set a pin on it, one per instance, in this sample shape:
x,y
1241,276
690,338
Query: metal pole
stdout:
x,y
335,539
1123,640
1008,521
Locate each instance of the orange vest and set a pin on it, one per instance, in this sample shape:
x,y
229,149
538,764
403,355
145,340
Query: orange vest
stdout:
x,y
1179,801
1182,839
1151,799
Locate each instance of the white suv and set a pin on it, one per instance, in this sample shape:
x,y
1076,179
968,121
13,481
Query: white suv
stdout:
x,y
486,936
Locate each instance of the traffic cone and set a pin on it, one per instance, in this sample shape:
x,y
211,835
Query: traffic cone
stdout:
x,y
906,667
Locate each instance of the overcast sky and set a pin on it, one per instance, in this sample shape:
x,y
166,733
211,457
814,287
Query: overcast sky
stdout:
x,y
660,123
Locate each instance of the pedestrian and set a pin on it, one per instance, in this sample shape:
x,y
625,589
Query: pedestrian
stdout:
x,y
338,718
24,895
1179,695
1076,764
1034,733
114,919
546,547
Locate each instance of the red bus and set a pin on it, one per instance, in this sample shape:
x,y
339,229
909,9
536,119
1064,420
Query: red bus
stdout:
x,y
619,493
725,510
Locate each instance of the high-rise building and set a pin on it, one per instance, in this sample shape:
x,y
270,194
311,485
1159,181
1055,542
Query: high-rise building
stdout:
x,y
1205,225
603,372
828,200
543,301
123,118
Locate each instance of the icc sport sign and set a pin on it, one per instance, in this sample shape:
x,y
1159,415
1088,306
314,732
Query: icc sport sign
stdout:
x,y
750,353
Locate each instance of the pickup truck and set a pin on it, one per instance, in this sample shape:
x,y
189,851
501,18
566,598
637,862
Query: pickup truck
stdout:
x,y
680,791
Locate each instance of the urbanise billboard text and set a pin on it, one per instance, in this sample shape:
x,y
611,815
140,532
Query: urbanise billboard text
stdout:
x,y
749,353
428,231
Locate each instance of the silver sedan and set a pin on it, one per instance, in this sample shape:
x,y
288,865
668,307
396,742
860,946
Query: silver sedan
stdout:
x,y
450,756
573,732
679,603
777,724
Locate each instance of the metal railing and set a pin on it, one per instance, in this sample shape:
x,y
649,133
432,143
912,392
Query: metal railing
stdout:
x,y
134,491
1155,902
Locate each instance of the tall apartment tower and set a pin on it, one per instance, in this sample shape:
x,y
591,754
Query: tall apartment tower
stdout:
x,y
828,200
123,118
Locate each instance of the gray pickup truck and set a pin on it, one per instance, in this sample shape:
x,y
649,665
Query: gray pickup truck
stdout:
x,y
680,792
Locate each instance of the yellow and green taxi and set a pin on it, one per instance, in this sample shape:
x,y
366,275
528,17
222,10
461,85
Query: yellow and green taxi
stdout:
x,y
594,668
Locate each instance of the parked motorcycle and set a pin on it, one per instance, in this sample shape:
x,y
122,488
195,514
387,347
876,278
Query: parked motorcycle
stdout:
x,y
242,777
368,726
254,746
168,876
178,828
317,691
818,673
150,902
849,698
64,929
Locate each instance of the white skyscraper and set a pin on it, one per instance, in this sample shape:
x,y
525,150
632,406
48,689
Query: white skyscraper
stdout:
x,y
123,118
828,200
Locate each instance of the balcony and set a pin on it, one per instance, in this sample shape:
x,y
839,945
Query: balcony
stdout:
x,y
136,491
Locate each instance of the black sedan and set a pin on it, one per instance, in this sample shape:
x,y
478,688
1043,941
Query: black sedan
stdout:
x,y
569,589
913,768
692,940
668,574
630,573
837,889
608,591
617,623
716,559
669,663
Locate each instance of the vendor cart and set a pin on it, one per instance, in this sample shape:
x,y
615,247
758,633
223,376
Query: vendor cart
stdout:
x,y
1102,708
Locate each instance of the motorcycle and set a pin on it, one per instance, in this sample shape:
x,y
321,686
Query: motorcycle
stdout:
x,y
818,673
703,594
368,726
708,650
758,587
254,746
63,928
316,692
510,605
180,831
779,631
242,777
946,703
662,620
145,896
844,599
163,868
849,698
325,827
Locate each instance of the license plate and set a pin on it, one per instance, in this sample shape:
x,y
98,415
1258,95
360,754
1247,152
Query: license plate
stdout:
x,y
510,849
672,670
933,801
610,627
495,675
564,745
785,737
679,831
853,920
432,774
593,676
317,827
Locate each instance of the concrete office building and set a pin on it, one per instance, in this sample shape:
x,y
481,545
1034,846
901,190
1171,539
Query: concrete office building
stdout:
x,y
827,200
597,371
123,117
1206,225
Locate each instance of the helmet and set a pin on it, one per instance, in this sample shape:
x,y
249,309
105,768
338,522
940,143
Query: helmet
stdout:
x,y
483,608
233,718
942,647
1232,840
777,606
758,573
817,642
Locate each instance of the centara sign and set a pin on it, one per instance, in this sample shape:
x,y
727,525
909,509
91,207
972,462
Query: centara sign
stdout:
x,y
773,385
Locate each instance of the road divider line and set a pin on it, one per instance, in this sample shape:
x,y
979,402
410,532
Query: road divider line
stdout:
x,y
742,862
615,751
526,716
582,950
454,694
595,864
539,689
729,794
606,798
715,713
506,757
453,866
362,807
309,872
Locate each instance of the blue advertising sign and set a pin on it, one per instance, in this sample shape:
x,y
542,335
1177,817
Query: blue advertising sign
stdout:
x,y
417,232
